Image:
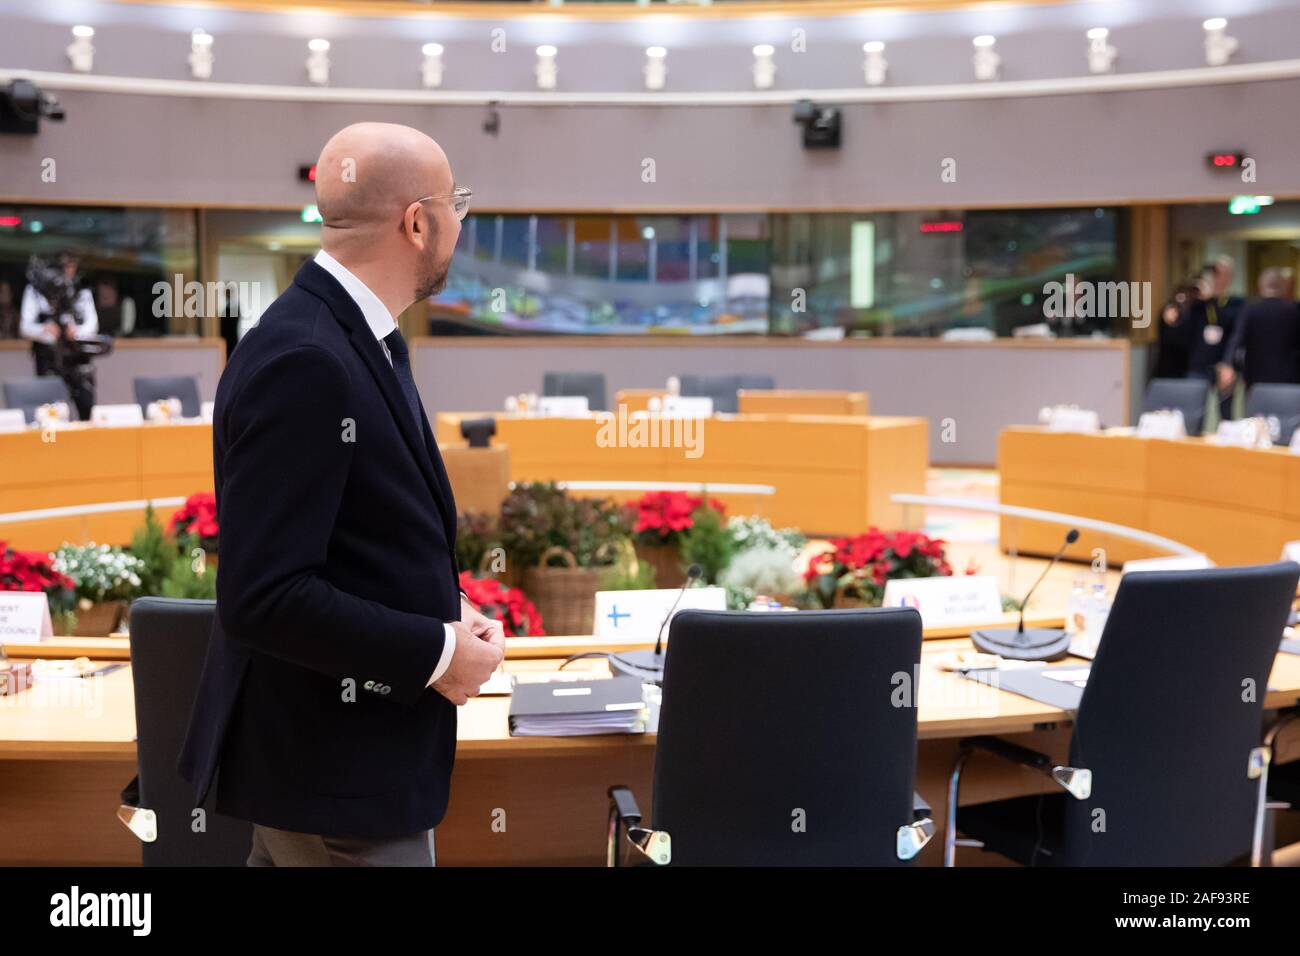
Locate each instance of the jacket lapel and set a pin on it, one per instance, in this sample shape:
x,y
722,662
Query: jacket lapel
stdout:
x,y
323,285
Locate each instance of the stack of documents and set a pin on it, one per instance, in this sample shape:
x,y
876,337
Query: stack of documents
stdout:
x,y
577,708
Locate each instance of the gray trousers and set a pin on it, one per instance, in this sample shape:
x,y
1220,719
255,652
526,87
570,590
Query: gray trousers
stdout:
x,y
273,847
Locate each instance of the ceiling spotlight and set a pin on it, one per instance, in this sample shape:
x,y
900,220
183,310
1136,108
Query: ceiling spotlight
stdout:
x,y
656,67
318,61
874,65
431,68
1101,55
1219,47
987,62
81,51
547,70
201,55
764,66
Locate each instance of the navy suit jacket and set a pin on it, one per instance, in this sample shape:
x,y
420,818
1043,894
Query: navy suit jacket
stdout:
x,y
337,573
1266,342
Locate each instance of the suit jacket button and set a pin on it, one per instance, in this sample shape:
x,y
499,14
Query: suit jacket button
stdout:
x,y
370,685
385,689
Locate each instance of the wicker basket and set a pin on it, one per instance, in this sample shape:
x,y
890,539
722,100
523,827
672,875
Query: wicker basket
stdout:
x,y
666,559
99,620
565,597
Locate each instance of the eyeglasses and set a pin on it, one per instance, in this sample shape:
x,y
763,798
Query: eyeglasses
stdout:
x,y
459,200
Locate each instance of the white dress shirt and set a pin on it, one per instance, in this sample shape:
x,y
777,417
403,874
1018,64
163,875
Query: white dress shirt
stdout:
x,y
32,325
381,323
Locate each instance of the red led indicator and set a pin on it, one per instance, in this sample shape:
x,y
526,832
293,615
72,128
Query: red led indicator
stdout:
x,y
952,225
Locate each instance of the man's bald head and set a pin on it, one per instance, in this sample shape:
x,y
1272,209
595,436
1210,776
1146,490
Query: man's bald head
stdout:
x,y
368,173
368,180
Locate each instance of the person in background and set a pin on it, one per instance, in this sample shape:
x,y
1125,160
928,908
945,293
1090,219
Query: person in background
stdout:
x,y
55,314
1265,344
1172,345
1213,320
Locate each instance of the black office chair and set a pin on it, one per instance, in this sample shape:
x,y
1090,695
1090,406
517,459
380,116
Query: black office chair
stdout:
x,y
1165,762
160,388
1278,401
30,394
723,388
1282,790
783,740
169,639
588,384
1187,395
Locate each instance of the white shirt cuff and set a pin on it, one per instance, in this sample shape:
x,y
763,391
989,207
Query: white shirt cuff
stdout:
x,y
448,649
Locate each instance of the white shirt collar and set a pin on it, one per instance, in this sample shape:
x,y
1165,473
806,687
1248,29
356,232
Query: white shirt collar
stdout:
x,y
377,316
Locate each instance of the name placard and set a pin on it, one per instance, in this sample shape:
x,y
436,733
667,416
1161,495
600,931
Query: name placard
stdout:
x,y
12,420
564,406
638,615
679,406
116,416
1180,562
948,601
1065,418
24,617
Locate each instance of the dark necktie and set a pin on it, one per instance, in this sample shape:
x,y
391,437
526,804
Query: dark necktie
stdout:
x,y
402,369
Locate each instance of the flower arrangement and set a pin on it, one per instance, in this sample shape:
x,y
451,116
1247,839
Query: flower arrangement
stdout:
x,y
760,569
662,517
751,531
854,570
100,573
536,516
197,517
505,604
34,571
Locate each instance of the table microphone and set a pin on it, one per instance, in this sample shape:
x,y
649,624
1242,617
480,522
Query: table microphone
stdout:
x,y
649,665
1035,643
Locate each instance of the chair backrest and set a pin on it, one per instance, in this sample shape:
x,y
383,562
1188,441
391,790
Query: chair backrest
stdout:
x,y
1279,400
30,394
169,638
1169,716
787,739
1187,395
590,384
159,388
723,388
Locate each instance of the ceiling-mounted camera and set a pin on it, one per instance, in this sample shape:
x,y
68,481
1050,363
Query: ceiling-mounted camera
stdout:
x,y
23,105
821,124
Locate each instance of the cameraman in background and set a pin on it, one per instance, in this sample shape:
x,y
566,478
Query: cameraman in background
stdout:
x,y
56,315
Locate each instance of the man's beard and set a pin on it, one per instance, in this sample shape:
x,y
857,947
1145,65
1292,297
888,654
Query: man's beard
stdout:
x,y
432,282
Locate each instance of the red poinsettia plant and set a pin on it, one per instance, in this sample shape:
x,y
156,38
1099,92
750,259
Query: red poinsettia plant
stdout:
x,y
661,517
508,605
198,517
854,570
34,571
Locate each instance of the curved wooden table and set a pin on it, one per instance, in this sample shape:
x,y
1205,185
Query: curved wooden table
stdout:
x,y
1237,505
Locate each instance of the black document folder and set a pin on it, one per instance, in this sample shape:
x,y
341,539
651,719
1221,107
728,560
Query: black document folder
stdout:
x,y
575,708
